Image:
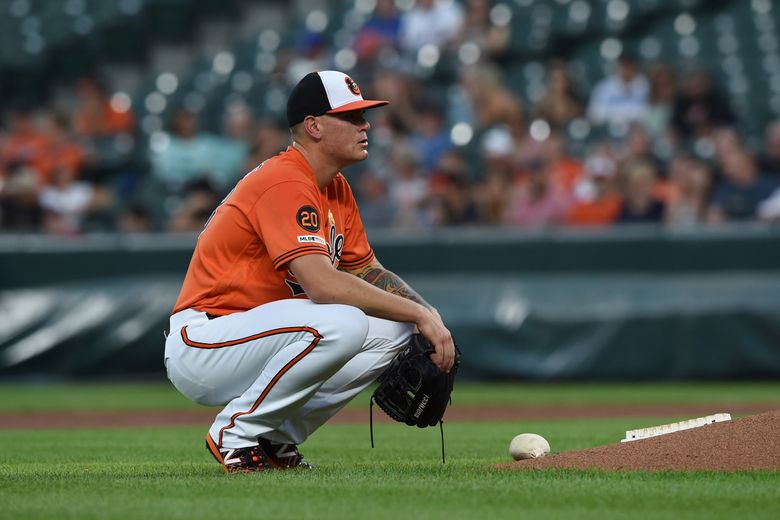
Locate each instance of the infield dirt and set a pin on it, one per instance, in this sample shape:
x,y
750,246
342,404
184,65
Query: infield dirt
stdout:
x,y
195,417
742,444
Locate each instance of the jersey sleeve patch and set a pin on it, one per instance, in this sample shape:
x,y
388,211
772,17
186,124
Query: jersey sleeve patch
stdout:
x,y
308,218
312,239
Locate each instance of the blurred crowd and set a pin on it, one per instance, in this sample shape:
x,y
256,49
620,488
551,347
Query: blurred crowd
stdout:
x,y
648,143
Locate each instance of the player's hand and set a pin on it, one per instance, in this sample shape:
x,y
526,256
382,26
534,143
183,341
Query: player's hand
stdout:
x,y
432,327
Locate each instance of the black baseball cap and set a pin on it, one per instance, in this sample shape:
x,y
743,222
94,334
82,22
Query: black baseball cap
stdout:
x,y
325,92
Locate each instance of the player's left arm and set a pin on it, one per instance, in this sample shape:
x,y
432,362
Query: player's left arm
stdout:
x,y
375,274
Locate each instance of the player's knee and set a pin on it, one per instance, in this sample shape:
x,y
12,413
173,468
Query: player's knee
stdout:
x,y
197,393
352,329
208,400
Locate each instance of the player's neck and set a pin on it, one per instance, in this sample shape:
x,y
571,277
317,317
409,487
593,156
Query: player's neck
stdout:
x,y
324,170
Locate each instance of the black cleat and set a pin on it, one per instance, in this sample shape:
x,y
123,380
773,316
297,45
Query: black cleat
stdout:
x,y
284,456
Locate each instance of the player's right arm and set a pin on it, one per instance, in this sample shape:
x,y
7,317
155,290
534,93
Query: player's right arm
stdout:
x,y
375,274
325,284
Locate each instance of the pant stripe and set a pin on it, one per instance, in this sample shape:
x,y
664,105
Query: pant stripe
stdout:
x,y
285,368
197,344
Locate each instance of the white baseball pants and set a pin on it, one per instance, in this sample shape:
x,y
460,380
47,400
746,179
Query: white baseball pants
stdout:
x,y
281,369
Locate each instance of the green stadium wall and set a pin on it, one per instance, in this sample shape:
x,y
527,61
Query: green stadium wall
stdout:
x,y
627,304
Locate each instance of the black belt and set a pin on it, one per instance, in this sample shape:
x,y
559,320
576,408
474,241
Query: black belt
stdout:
x,y
212,316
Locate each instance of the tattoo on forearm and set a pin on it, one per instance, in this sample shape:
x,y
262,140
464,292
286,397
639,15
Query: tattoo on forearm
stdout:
x,y
392,283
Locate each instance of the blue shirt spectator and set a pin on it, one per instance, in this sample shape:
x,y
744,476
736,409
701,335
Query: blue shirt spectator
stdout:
x,y
190,155
741,190
430,138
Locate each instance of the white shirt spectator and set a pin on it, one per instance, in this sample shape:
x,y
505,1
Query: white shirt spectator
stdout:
x,y
69,202
615,100
433,22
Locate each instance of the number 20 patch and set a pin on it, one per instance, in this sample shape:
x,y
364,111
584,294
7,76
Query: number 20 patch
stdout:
x,y
308,218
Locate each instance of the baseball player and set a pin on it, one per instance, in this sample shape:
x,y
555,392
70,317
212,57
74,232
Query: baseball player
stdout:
x,y
285,313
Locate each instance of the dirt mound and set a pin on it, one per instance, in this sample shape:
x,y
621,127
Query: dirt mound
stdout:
x,y
742,444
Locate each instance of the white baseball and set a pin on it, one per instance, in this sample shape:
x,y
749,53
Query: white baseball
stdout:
x,y
528,446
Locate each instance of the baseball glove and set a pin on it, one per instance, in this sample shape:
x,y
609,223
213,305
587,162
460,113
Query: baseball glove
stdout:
x,y
413,390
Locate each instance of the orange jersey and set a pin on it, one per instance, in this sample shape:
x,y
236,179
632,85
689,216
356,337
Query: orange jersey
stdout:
x,y
600,212
275,214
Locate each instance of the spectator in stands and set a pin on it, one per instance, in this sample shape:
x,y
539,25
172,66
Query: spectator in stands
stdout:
x,y
450,202
408,186
96,115
495,178
769,161
26,145
726,141
561,102
429,22
640,204
268,139
200,200
385,21
380,32
491,197
622,97
191,154
136,218
769,209
311,53
564,170
430,138
66,153
20,211
663,95
741,189
597,201
404,94
689,193
485,101
700,107
536,200
376,208
455,205
67,202
638,147
238,122
477,28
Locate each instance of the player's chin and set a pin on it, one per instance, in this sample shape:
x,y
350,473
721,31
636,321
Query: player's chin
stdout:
x,y
354,158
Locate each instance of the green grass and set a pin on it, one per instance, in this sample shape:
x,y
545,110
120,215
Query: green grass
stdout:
x,y
162,396
166,473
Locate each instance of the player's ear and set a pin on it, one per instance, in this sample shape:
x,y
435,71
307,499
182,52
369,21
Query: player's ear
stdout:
x,y
313,127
